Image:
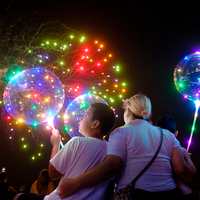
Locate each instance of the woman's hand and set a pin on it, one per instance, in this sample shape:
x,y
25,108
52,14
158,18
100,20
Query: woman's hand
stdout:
x,y
67,188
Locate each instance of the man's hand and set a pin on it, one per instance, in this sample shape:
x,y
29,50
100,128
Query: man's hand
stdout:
x,y
55,138
67,188
55,141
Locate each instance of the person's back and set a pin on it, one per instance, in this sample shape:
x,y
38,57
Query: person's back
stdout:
x,y
167,122
139,142
81,153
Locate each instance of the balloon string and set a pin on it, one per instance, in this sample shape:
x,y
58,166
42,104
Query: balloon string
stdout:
x,y
197,103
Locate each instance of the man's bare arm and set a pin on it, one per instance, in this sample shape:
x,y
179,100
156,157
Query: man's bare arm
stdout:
x,y
55,141
53,173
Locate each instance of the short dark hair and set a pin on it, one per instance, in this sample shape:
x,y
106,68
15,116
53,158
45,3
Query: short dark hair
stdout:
x,y
167,122
105,115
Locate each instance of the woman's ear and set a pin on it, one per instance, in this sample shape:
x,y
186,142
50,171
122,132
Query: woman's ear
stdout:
x,y
128,113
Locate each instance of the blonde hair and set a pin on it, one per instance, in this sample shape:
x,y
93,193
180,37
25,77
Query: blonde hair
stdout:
x,y
139,105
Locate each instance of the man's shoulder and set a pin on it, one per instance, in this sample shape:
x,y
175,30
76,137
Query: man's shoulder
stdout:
x,y
86,140
76,139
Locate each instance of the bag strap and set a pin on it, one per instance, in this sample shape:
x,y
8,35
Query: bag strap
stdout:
x,y
148,165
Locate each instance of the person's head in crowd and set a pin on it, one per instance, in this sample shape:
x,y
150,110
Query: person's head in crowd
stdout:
x,y
43,180
99,118
137,107
167,122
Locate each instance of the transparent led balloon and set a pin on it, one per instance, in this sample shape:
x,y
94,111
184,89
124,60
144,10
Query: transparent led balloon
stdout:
x,y
187,76
33,96
76,109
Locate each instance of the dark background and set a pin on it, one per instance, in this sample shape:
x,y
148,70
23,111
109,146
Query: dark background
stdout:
x,y
148,39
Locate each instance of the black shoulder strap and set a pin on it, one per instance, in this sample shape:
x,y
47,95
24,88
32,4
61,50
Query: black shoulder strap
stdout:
x,y
138,176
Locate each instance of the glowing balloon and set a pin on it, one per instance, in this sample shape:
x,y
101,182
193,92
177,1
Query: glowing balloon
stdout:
x,y
33,96
187,81
187,76
76,109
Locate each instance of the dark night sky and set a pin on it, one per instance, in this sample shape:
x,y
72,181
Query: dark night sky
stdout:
x,y
148,39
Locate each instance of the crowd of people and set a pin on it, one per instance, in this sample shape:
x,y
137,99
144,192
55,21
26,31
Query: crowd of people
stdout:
x,y
7,192
88,166
43,185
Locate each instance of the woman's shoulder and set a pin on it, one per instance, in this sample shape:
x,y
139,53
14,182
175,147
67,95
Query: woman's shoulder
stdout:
x,y
123,127
34,186
34,183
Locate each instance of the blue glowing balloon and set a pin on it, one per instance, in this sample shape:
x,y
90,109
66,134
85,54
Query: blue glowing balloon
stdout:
x,y
33,96
76,109
187,76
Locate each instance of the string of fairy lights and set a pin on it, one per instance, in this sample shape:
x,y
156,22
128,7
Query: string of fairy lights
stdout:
x,y
82,67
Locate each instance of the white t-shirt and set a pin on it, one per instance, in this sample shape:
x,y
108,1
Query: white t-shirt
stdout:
x,y
76,157
136,143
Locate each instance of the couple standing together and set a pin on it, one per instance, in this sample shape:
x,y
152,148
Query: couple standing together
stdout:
x,y
87,164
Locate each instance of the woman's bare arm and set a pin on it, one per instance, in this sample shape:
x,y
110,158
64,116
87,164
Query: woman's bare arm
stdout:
x,y
97,174
182,170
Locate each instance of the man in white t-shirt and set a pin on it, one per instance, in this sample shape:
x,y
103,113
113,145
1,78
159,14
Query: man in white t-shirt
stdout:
x,y
80,154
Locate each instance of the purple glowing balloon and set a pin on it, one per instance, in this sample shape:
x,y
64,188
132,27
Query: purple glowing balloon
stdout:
x,y
187,76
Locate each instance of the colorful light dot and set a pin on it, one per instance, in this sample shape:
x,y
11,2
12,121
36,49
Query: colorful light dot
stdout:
x,y
87,59
20,120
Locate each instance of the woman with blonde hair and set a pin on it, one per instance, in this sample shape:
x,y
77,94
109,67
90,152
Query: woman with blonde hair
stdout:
x,y
139,106
43,185
130,149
